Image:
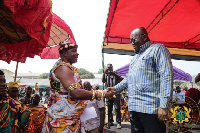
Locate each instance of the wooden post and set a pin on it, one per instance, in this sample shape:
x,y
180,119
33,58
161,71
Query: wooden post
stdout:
x,y
16,71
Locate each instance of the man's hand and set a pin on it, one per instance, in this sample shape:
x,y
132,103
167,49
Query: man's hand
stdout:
x,y
162,114
109,92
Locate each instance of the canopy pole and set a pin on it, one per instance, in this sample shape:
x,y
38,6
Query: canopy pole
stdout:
x,y
16,71
192,84
102,66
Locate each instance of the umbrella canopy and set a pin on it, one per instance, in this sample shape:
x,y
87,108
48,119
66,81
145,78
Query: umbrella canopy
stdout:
x,y
174,23
178,74
60,32
24,28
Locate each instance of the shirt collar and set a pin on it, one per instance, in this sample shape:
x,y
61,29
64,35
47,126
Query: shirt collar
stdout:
x,y
143,47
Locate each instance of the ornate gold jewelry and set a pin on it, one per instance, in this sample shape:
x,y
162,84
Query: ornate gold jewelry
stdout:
x,y
99,94
72,87
93,94
66,45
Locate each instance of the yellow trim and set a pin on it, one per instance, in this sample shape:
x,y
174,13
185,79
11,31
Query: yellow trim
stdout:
x,y
174,51
187,52
128,47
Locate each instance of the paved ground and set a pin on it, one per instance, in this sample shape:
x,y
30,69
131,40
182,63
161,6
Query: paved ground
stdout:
x,y
126,128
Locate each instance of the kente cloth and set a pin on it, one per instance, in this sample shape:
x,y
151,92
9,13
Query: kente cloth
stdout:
x,y
63,112
37,119
8,115
93,122
24,114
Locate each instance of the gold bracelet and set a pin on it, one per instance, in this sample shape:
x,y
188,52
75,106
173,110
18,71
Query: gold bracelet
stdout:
x,y
93,94
103,94
99,94
72,87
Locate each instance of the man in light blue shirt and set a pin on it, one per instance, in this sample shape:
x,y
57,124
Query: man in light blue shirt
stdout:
x,y
149,83
179,96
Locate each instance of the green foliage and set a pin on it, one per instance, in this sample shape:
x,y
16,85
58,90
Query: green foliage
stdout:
x,y
178,83
100,71
84,74
44,76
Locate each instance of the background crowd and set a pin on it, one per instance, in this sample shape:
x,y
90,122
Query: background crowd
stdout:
x,y
145,95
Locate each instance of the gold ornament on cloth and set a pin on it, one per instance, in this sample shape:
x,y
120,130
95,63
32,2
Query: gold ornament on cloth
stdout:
x,y
13,84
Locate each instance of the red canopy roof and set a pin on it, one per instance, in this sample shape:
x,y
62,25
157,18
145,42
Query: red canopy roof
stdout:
x,y
175,23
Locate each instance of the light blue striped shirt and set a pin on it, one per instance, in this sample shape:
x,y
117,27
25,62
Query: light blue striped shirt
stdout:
x,y
149,80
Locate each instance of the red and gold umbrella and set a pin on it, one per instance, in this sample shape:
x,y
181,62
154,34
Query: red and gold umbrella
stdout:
x,y
24,28
60,32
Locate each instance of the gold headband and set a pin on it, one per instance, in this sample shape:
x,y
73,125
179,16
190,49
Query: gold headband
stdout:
x,y
13,84
65,46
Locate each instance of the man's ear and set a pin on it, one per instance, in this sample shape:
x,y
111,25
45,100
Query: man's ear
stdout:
x,y
144,36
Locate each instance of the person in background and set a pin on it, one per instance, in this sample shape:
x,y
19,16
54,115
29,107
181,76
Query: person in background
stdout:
x,y
149,83
24,112
185,89
27,99
36,88
38,115
110,79
197,78
180,96
124,107
46,99
96,124
194,94
67,97
100,110
174,95
8,109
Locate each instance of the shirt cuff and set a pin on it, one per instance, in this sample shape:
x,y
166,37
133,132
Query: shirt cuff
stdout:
x,y
116,87
164,102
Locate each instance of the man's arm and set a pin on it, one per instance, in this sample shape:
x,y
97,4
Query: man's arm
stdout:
x,y
122,85
165,70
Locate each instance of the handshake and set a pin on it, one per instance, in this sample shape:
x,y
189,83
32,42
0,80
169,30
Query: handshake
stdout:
x,y
110,92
